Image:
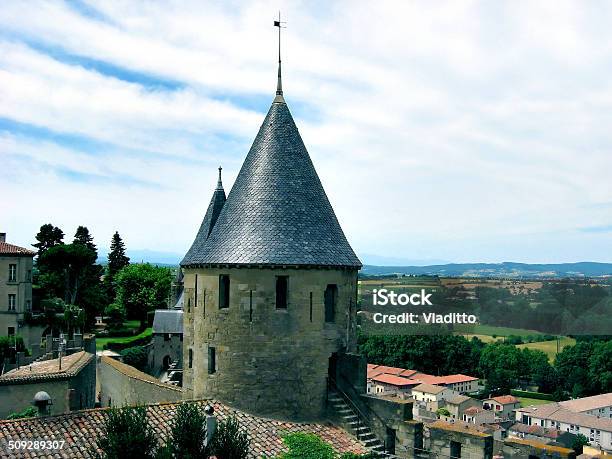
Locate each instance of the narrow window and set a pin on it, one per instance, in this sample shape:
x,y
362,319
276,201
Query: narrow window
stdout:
x,y
330,297
12,273
281,292
11,331
188,304
195,303
455,449
28,305
212,363
190,358
311,306
224,291
11,302
29,275
250,305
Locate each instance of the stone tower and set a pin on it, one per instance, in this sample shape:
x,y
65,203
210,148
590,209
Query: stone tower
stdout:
x,y
270,283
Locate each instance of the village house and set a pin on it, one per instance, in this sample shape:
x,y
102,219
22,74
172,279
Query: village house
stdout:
x,y
167,341
431,393
16,292
503,406
391,385
597,430
478,415
544,434
457,404
597,405
70,382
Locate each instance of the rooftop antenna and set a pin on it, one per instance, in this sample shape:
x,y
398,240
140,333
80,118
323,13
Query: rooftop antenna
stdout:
x,y
279,84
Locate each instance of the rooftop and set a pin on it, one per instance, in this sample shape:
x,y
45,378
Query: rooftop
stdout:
x,y
48,369
15,250
429,388
394,380
168,321
459,426
505,399
458,399
277,212
555,412
82,429
588,403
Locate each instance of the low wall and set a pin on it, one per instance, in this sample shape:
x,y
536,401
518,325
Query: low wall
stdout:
x,y
122,384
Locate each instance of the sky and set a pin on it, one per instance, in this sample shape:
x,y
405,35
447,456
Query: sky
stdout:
x,y
461,132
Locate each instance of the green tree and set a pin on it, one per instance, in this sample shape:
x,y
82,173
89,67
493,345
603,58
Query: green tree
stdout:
x,y
579,442
117,260
136,356
8,344
127,433
230,441
82,236
142,288
600,367
74,319
188,433
48,236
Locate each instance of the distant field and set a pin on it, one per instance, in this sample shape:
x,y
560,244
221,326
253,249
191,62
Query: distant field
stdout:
x,y
491,330
550,347
532,401
484,338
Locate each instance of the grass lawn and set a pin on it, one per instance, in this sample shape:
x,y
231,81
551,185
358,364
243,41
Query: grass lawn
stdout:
x,y
532,401
100,342
550,347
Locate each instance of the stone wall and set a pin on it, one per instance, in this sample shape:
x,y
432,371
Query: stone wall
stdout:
x,y
121,384
471,444
269,361
519,448
163,349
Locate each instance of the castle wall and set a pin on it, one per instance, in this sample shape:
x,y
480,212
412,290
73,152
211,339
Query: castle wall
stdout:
x,y
269,361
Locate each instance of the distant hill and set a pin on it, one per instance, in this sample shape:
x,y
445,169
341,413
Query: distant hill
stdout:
x,y
147,256
506,269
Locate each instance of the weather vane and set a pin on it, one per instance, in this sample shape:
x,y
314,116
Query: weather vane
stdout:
x,y
280,25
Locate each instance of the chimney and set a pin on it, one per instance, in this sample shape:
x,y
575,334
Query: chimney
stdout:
x,y
2,237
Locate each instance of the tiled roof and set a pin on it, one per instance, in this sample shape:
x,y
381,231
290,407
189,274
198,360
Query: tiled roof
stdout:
x,y
505,399
429,389
555,412
48,369
374,370
473,410
168,321
82,429
535,430
394,380
277,212
588,403
458,399
132,372
15,250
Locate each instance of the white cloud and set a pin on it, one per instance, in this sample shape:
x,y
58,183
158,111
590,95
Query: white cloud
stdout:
x,y
462,131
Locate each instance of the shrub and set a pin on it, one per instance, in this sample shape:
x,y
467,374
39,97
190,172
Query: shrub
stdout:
x,y
188,433
28,412
230,441
136,356
306,446
127,433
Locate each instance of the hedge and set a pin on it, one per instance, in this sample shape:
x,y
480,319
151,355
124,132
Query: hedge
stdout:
x,y
536,395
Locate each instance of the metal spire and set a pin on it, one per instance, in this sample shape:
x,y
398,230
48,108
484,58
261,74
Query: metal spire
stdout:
x,y
279,84
219,184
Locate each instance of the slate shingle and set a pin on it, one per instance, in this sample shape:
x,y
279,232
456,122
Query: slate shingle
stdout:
x,y
277,212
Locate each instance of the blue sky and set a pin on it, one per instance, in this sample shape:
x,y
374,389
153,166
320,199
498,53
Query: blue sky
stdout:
x,y
460,131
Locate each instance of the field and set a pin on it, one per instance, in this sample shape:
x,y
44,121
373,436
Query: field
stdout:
x,y
532,401
494,332
550,347
100,342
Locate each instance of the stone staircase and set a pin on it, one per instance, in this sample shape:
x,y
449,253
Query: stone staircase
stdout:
x,y
354,425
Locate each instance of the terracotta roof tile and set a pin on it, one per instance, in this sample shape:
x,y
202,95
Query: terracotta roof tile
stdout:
x,y
48,369
81,429
10,249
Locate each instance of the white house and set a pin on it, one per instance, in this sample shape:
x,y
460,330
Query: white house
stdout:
x,y
431,393
597,430
597,405
503,406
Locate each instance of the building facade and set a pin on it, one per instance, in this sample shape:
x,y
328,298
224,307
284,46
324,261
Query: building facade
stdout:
x,y
15,286
270,284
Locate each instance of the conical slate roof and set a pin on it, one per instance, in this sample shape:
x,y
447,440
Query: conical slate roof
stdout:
x,y
212,213
277,212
